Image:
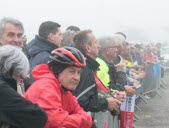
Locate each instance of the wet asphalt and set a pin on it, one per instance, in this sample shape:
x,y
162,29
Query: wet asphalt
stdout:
x,y
155,113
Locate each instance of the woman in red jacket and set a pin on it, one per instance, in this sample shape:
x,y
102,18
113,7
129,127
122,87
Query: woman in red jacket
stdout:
x,y
52,87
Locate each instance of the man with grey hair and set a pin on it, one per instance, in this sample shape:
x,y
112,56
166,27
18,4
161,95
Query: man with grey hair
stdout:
x,y
109,73
11,31
73,28
15,111
67,38
120,40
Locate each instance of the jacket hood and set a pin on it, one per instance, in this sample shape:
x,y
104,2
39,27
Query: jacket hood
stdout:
x,y
110,64
42,71
40,45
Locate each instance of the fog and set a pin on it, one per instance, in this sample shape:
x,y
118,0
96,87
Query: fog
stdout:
x,y
140,20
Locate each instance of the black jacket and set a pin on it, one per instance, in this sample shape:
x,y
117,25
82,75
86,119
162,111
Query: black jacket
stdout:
x,y
39,51
139,59
121,76
117,79
17,111
89,100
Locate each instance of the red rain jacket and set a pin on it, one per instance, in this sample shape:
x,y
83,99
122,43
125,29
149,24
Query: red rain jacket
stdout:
x,y
61,106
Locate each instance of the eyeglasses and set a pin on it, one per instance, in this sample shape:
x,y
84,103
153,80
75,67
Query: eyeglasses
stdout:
x,y
112,47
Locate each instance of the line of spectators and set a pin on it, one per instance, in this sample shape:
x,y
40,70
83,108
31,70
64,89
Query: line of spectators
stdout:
x,y
98,72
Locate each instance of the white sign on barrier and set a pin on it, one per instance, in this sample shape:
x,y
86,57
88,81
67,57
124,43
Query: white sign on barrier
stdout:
x,y
127,112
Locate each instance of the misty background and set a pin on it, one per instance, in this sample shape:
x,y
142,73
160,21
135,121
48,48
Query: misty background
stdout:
x,y
140,20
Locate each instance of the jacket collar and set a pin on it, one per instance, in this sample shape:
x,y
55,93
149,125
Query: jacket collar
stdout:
x,y
108,63
40,45
45,42
92,63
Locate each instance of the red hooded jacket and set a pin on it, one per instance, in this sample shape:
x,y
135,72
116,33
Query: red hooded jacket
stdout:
x,y
61,106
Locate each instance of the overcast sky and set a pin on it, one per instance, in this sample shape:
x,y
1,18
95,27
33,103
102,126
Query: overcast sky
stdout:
x,y
142,20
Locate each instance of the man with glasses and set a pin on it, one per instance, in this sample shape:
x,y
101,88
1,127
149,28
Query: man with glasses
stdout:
x,y
108,72
120,38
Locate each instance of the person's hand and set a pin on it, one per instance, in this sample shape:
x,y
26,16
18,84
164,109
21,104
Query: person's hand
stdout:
x,y
113,104
142,75
121,96
95,121
133,70
119,67
94,124
129,90
136,83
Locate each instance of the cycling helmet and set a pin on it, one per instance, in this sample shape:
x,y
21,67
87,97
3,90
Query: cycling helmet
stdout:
x,y
69,56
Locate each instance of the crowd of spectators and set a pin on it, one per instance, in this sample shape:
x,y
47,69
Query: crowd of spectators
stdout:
x,y
63,78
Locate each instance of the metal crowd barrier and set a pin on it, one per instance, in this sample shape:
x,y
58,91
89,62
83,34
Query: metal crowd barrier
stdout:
x,y
106,120
152,83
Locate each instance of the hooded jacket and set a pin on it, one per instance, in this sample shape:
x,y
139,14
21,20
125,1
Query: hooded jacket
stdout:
x,y
39,51
61,106
16,111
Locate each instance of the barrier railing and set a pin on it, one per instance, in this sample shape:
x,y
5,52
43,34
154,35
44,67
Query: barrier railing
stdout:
x,y
150,84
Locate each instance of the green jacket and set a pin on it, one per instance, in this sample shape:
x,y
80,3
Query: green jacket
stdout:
x,y
109,77
103,73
